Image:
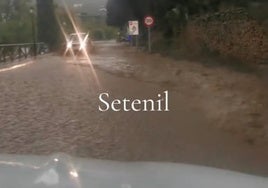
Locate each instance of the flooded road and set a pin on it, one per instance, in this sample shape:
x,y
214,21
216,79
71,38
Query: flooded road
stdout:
x,y
51,106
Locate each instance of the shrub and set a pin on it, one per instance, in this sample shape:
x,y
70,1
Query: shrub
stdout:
x,y
231,33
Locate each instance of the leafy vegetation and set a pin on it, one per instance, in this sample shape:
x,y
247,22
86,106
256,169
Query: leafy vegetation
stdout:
x,y
95,25
15,22
48,28
98,29
171,15
208,25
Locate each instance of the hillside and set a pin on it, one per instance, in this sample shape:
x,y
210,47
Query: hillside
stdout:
x,y
91,7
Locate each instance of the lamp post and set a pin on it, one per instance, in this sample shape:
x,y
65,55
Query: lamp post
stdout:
x,y
33,32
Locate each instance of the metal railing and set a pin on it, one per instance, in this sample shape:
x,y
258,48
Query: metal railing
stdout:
x,y
11,52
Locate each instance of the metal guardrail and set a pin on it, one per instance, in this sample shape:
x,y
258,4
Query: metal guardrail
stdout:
x,y
11,52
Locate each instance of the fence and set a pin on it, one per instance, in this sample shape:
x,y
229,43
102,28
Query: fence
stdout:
x,y
11,52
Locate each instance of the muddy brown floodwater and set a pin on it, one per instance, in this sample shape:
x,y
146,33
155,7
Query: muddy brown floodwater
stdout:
x,y
51,106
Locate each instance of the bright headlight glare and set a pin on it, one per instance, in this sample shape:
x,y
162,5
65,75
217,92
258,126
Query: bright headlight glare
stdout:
x,y
69,45
82,45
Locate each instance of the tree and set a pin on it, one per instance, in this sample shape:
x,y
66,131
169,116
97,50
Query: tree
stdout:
x,y
118,12
48,29
121,11
15,17
171,15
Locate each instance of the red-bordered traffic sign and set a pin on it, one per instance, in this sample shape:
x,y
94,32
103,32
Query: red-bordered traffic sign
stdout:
x,y
148,21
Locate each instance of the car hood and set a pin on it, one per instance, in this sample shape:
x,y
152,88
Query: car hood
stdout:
x,y
63,171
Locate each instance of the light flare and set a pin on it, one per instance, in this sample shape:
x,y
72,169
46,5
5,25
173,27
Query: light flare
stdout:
x,y
82,42
83,45
74,174
69,45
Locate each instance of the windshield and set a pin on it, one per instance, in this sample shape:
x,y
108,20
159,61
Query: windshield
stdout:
x,y
165,81
75,37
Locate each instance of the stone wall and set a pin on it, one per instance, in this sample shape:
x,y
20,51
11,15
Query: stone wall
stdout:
x,y
231,33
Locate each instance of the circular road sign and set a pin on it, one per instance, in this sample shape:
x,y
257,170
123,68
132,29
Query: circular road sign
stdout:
x,y
149,21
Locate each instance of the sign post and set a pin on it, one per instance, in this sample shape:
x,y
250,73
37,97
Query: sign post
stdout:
x,y
149,40
149,22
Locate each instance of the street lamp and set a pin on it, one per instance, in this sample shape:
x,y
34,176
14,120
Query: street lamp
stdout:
x,y
33,32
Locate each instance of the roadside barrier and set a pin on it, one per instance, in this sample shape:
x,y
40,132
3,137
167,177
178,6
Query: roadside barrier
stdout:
x,y
11,52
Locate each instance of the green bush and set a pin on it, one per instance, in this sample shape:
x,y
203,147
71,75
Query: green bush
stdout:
x,y
15,32
98,34
16,27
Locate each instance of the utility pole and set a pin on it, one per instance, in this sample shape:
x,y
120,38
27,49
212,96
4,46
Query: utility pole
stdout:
x,y
33,32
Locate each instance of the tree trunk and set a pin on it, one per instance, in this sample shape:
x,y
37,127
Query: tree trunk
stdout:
x,y
48,30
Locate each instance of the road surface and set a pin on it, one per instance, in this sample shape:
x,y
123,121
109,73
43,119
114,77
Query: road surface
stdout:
x,y
50,105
